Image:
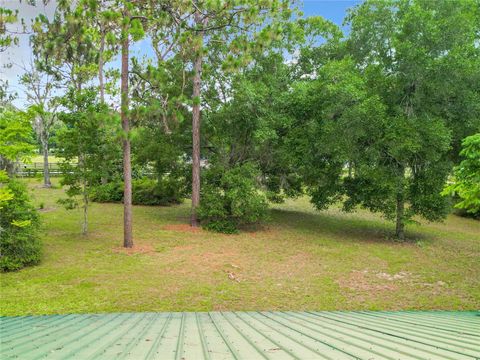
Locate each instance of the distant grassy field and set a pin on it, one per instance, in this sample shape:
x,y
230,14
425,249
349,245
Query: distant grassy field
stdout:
x,y
302,259
51,159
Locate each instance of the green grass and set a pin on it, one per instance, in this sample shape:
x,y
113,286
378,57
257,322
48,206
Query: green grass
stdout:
x,y
302,259
51,159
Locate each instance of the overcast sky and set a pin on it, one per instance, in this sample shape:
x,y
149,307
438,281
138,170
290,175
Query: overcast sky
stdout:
x,y
333,10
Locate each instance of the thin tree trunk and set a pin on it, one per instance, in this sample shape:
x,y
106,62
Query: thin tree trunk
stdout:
x,y
81,162
85,210
400,218
400,226
100,67
127,169
197,84
46,171
101,83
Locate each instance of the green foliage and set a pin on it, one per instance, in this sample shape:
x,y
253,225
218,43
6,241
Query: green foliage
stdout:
x,y
424,56
90,136
353,146
7,16
110,192
19,224
252,128
151,192
231,198
466,181
66,41
371,119
16,138
144,192
421,59
160,151
377,118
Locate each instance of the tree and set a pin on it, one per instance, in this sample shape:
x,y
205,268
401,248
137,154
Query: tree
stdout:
x,y
79,52
106,25
247,125
16,138
232,198
349,149
130,26
238,29
89,135
466,181
399,144
19,222
43,109
200,22
127,165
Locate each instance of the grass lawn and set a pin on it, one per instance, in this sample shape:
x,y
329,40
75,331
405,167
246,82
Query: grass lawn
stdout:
x,y
301,260
51,159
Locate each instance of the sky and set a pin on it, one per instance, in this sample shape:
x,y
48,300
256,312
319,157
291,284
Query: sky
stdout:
x,y
18,56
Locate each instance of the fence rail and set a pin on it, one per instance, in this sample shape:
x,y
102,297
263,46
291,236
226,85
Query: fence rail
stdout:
x,y
36,168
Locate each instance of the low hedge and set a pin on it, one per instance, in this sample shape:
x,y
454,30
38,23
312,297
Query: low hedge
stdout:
x,y
144,192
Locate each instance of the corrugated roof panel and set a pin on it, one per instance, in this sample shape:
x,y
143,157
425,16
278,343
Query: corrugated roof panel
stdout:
x,y
244,335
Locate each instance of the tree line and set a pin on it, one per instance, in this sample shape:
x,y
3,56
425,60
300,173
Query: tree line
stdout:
x,y
242,103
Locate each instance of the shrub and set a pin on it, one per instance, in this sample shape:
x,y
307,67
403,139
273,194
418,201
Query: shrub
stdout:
x,y
144,192
152,192
465,187
19,224
231,198
110,192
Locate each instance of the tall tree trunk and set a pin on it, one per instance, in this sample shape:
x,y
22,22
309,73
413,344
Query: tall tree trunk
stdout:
x,y
101,83
400,223
127,168
100,66
400,208
197,84
82,165
46,170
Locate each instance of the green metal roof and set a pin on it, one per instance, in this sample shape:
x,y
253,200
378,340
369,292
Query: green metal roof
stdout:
x,y
244,335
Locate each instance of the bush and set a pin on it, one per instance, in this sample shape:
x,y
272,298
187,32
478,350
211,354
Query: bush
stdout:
x,y
231,198
110,192
151,192
19,224
144,192
465,188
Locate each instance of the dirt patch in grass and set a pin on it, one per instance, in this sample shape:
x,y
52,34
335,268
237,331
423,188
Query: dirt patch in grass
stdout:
x,y
48,209
182,228
200,261
184,247
374,281
136,249
363,280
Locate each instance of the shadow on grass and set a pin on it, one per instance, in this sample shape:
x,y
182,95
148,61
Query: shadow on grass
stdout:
x,y
330,225
343,228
